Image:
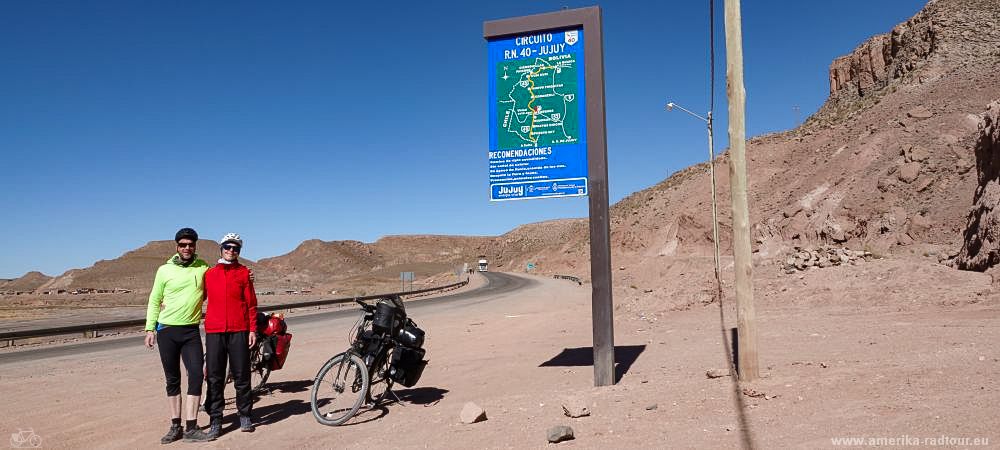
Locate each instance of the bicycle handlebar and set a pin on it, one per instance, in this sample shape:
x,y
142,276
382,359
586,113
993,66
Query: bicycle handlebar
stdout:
x,y
365,306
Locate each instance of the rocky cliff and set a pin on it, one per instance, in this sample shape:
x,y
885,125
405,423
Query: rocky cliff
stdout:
x,y
981,249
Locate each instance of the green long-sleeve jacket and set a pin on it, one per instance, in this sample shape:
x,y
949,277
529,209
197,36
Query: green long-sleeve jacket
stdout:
x,y
180,290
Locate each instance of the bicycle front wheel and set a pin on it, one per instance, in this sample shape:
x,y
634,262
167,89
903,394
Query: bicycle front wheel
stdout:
x,y
339,390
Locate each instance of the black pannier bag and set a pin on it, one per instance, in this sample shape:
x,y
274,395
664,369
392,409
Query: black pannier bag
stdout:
x,y
385,316
411,335
407,365
267,348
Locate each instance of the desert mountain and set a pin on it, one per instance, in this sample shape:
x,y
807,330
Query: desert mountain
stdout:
x,y
29,282
892,162
316,263
134,270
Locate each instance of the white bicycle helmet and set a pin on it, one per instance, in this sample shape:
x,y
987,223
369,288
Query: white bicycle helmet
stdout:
x,y
231,237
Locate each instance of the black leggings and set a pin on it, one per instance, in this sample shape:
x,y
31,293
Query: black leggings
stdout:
x,y
177,343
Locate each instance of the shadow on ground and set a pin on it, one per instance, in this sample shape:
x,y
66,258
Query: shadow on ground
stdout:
x,y
367,414
625,356
275,413
421,395
290,386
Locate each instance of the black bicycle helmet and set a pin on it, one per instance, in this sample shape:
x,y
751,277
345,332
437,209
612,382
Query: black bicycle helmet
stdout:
x,y
186,233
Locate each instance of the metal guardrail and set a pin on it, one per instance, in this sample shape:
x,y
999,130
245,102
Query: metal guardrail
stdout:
x,y
97,326
570,278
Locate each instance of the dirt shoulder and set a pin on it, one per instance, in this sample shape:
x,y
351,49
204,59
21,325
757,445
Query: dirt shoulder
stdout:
x,y
831,368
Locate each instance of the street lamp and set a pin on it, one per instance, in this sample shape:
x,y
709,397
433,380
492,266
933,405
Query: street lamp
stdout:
x,y
715,210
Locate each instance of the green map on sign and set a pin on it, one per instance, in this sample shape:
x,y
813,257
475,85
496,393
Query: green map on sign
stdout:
x,y
537,102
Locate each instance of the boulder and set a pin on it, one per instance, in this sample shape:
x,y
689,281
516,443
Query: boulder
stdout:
x,y
909,172
919,112
560,433
916,153
918,226
575,408
472,413
716,373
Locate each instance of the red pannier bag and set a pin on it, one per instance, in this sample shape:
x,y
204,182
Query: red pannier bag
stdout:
x,y
282,342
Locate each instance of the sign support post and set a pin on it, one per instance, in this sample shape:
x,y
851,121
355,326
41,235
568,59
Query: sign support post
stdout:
x,y
527,29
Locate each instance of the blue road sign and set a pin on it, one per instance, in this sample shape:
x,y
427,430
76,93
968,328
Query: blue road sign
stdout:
x,y
537,115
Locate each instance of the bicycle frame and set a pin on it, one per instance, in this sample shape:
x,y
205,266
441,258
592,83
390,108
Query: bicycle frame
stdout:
x,y
373,348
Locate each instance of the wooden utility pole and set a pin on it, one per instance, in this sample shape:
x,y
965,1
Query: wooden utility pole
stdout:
x,y
746,321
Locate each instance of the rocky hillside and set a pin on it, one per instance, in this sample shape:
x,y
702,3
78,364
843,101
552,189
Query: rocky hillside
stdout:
x,y
315,261
886,164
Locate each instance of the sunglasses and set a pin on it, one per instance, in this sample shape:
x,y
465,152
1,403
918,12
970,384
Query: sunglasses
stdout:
x,y
185,245
230,247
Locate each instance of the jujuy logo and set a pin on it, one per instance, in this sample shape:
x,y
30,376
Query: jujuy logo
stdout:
x,y
511,190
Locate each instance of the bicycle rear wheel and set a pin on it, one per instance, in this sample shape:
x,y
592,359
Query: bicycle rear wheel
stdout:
x,y
259,371
380,384
339,390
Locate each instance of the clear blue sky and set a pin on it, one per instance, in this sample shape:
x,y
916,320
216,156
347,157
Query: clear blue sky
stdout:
x,y
121,121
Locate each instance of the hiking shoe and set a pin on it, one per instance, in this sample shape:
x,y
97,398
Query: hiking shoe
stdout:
x,y
246,425
175,434
196,435
214,428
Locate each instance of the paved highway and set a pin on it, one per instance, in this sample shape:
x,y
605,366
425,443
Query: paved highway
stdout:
x,y
497,284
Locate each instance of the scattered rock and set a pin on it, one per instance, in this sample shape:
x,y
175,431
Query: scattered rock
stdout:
x,y
919,225
919,113
923,184
472,413
716,373
826,256
749,392
809,363
575,408
560,433
947,139
652,407
916,153
909,172
792,210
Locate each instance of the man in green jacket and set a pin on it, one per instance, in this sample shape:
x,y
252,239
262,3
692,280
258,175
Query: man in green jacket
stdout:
x,y
172,318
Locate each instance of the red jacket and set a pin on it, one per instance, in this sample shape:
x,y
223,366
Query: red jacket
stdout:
x,y
232,303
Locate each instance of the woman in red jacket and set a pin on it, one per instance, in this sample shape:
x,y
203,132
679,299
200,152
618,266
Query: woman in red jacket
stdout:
x,y
230,332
